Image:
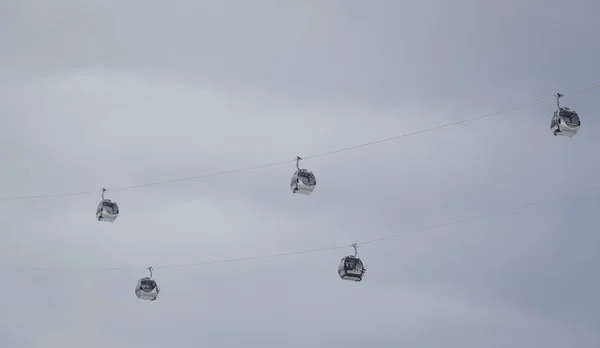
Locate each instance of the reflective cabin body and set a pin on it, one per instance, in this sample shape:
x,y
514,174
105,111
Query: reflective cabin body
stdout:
x,y
303,181
147,289
107,211
351,268
565,122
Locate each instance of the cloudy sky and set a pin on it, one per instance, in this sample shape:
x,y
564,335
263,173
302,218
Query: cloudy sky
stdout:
x,y
119,93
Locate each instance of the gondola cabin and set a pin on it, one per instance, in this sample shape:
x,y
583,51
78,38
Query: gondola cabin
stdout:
x,y
107,211
565,122
147,289
351,268
303,182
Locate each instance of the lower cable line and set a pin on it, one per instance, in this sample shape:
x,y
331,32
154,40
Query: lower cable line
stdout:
x,y
250,258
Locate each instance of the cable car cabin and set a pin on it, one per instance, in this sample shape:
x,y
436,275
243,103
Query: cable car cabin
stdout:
x,y
351,268
303,182
107,211
147,289
565,122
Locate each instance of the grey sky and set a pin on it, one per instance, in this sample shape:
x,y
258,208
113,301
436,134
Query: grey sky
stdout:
x,y
116,93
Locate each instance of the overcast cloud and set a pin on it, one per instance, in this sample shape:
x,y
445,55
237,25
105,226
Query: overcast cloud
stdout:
x,y
114,93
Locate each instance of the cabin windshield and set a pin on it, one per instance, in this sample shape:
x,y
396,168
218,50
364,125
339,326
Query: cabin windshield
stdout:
x,y
147,284
111,207
307,177
353,264
569,117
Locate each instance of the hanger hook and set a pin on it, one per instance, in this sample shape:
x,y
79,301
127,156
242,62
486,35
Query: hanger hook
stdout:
x,y
558,95
150,269
355,246
103,190
298,158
